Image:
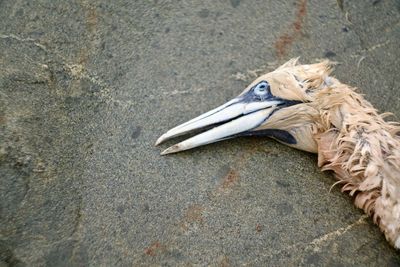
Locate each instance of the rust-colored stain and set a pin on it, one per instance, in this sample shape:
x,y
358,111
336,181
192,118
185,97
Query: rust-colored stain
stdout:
x,y
287,39
230,179
224,262
91,20
194,214
91,25
2,119
154,248
258,228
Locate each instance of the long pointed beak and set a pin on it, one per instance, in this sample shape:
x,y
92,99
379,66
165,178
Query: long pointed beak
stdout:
x,y
229,120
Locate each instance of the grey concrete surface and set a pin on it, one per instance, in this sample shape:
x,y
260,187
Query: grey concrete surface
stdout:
x,y
86,87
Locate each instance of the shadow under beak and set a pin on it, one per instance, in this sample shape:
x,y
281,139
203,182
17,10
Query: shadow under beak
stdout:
x,y
238,117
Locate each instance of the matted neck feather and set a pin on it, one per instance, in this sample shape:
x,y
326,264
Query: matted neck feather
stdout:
x,y
357,144
363,150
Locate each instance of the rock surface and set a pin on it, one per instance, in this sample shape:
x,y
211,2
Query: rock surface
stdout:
x,y
86,87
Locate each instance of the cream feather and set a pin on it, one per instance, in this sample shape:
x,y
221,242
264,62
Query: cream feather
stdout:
x,y
357,144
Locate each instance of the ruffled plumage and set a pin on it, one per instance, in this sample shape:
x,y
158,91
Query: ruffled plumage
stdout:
x,y
363,150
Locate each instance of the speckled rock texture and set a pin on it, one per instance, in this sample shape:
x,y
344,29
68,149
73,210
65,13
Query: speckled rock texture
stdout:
x,y
86,87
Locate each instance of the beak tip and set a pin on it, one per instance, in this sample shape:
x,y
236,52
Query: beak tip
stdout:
x,y
159,140
172,149
165,152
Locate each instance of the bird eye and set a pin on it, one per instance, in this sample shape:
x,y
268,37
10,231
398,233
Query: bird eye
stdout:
x,y
261,89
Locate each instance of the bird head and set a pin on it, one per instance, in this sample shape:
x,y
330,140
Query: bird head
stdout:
x,y
280,104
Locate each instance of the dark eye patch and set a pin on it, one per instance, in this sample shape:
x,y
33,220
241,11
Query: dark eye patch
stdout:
x,y
265,95
261,85
259,92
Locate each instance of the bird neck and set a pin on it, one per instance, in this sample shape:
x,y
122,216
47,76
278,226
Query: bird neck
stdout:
x,y
363,150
